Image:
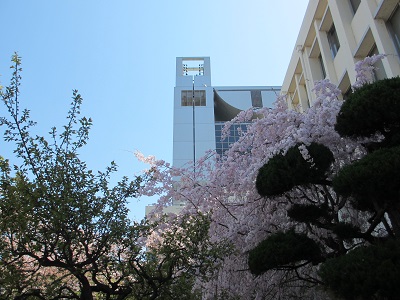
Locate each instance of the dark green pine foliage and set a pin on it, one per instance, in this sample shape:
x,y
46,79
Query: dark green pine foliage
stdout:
x,y
290,250
309,213
365,273
285,171
373,108
283,250
371,184
373,181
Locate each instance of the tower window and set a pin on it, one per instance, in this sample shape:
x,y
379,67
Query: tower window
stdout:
x,y
321,63
347,93
196,98
394,28
333,41
379,71
355,4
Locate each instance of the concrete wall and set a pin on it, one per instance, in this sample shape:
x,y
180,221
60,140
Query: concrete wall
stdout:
x,y
358,32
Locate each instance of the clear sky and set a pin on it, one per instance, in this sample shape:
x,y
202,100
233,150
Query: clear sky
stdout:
x,y
120,55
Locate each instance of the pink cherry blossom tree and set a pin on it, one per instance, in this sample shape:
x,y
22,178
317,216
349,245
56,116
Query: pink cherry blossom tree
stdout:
x,y
225,188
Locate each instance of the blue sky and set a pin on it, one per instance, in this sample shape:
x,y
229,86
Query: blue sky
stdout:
x,y
120,55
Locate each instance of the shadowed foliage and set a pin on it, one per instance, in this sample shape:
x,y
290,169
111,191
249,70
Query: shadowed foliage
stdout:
x,y
354,219
285,171
370,184
370,109
308,213
282,250
346,231
370,272
373,180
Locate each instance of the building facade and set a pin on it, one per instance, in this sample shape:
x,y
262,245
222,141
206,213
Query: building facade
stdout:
x,y
334,35
200,109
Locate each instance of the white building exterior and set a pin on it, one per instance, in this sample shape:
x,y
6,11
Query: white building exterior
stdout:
x,y
197,127
200,111
334,35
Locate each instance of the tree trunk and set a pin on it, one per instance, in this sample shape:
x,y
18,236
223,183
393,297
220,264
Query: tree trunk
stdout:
x,y
86,290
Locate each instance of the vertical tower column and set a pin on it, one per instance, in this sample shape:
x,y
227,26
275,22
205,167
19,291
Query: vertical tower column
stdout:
x,y
194,132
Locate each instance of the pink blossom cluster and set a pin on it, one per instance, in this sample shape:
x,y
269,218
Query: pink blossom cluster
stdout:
x,y
365,70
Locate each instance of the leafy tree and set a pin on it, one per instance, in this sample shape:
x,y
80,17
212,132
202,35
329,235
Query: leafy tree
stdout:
x,y
175,256
64,230
60,221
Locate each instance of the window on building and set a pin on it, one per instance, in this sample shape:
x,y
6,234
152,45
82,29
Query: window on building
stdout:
x,y
321,63
394,28
308,100
199,98
379,71
235,132
347,93
333,41
355,4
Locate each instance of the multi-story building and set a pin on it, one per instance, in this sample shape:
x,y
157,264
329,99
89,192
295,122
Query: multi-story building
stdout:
x,y
200,109
334,35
